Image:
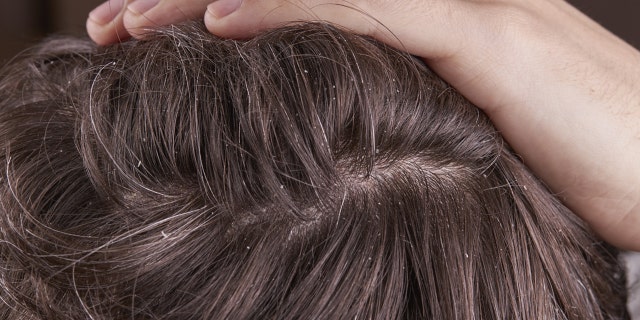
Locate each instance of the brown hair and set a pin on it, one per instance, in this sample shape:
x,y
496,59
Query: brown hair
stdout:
x,y
308,173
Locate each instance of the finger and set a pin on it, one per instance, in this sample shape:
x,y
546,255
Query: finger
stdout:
x,y
104,24
396,23
144,15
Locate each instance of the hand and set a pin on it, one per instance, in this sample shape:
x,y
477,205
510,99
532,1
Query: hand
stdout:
x,y
562,90
118,20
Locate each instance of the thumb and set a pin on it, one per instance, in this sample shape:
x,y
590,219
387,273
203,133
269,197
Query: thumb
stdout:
x,y
394,22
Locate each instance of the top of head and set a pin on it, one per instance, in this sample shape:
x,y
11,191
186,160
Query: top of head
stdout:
x,y
307,172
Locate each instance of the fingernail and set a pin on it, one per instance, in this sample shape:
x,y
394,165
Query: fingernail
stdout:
x,y
106,12
141,6
223,8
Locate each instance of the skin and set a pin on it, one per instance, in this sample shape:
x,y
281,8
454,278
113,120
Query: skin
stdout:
x,y
563,91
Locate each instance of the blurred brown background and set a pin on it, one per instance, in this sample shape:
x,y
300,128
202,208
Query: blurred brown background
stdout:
x,y
23,22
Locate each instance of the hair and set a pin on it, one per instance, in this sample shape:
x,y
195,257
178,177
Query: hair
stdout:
x,y
307,173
